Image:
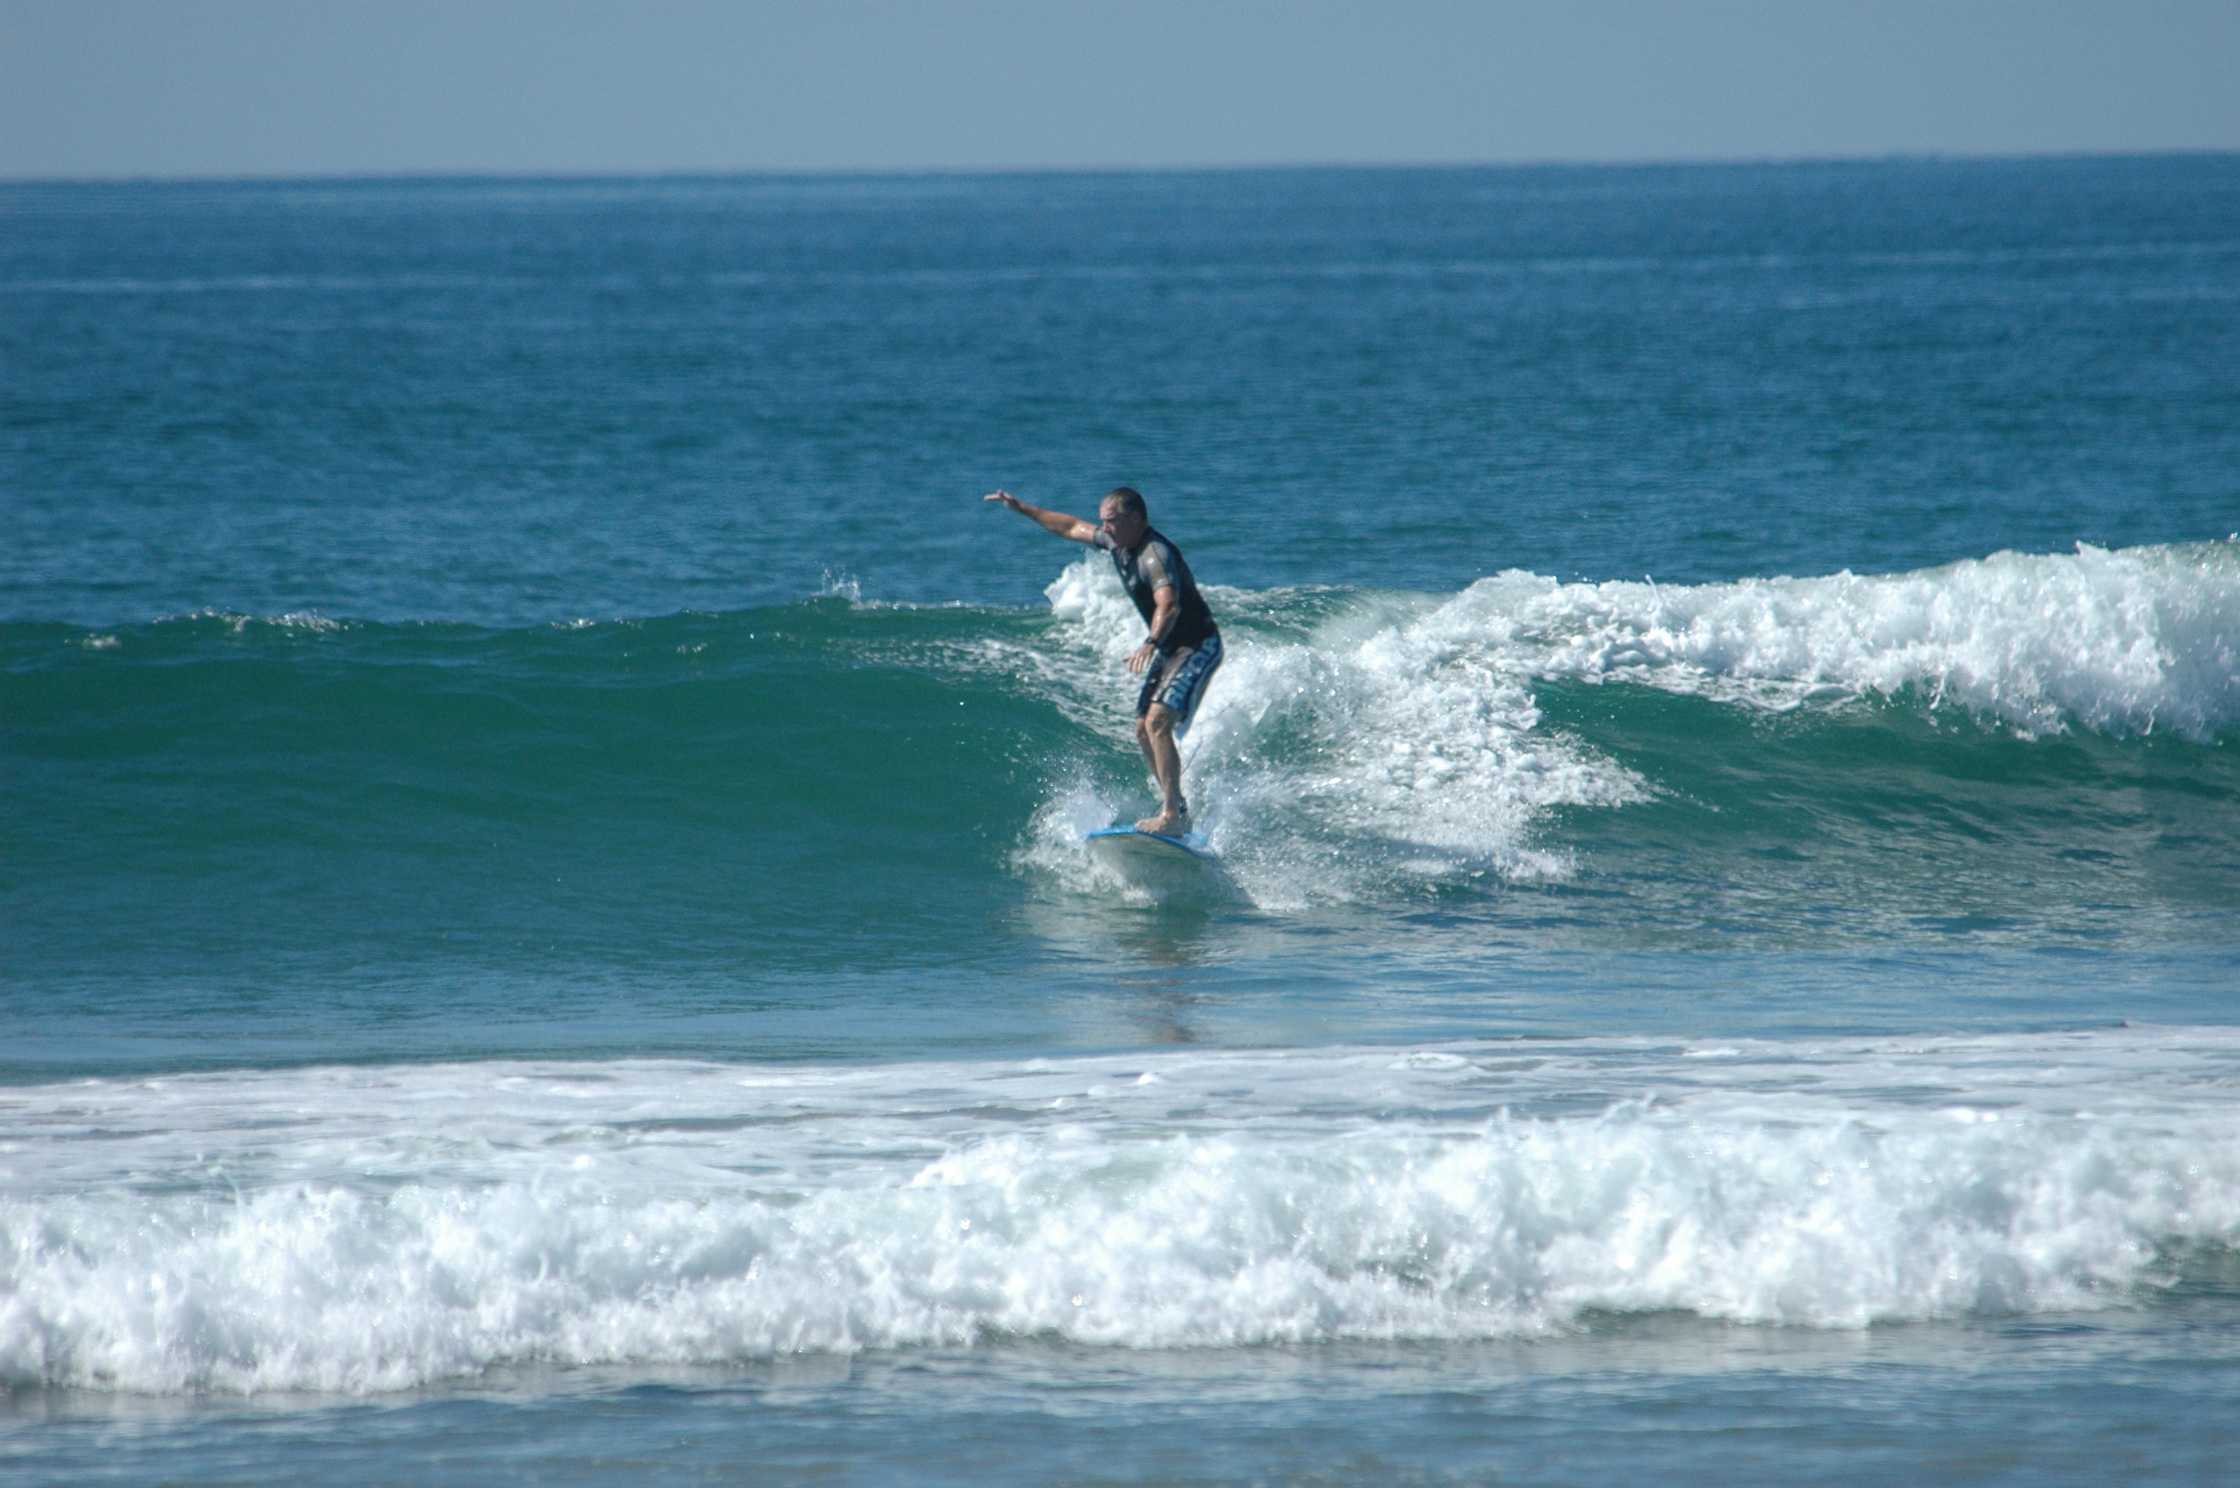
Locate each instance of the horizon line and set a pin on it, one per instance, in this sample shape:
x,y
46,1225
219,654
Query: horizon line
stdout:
x,y
1646,162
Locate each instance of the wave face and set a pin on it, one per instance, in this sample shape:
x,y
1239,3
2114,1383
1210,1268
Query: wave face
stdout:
x,y
374,1229
2027,747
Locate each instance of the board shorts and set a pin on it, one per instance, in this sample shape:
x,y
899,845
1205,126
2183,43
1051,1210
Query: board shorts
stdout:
x,y
1178,678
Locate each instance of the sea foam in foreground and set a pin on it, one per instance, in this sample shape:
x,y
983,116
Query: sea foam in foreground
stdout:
x,y
371,1229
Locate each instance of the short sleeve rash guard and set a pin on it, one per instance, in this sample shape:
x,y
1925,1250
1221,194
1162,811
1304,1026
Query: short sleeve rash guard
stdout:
x,y
1156,564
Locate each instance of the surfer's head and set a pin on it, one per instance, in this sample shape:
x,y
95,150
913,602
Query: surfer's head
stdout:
x,y
1123,515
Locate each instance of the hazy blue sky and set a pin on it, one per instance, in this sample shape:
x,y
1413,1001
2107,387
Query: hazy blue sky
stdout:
x,y
130,88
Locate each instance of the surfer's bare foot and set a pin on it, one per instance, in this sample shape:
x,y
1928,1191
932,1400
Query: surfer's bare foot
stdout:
x,y
1166,823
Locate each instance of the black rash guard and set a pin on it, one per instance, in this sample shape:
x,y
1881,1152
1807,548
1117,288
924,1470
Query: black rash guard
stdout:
x,y
1156,564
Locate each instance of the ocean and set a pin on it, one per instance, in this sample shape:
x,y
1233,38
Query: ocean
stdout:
x,y
544,925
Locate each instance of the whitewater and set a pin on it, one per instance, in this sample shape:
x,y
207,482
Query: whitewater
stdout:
x,y
375,1229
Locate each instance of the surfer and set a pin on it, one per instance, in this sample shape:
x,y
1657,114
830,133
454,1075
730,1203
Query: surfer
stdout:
x,y
1182,646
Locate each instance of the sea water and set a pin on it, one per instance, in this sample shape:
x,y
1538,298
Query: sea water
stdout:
x,y
545,925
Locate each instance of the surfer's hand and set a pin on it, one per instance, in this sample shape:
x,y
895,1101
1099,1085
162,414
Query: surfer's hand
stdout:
x,y
1003,496
1140,658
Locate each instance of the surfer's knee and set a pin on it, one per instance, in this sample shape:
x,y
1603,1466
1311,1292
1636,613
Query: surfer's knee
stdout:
x,y
1157,721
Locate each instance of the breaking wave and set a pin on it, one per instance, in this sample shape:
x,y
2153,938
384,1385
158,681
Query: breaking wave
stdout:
x,y
364,1230
1353,736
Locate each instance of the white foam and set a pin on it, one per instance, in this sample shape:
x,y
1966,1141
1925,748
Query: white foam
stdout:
x,y
1380,744
306,620
2121,642
373,1229
1397,736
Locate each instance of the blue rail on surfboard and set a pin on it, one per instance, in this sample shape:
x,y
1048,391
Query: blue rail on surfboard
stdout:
x,y
1134,842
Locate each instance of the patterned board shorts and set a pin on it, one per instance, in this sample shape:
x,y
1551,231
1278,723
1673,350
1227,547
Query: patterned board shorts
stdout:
x,y
1178,678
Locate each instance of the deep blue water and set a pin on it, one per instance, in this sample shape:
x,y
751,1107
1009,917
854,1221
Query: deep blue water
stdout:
x,y
546,927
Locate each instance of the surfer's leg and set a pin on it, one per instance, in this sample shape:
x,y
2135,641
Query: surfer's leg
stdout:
x,y
1155,731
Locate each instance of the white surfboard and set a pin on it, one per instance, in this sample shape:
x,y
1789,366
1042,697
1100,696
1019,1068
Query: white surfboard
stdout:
x,y
1132,852
1154,843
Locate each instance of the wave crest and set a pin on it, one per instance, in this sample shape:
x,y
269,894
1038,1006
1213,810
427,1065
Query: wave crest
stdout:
x,y
2122,642
1352,739
308,1236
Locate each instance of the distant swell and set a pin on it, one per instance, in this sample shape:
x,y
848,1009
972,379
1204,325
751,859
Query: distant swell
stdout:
x,y
372,1230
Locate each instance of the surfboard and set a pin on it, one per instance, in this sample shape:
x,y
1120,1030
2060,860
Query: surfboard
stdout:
x,y
1131,847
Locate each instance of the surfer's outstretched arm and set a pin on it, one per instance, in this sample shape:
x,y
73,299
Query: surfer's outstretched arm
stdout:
x,y
1063,524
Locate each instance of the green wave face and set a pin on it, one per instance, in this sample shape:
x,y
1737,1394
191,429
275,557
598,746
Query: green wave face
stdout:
x,y
678,787
1891,822
832,785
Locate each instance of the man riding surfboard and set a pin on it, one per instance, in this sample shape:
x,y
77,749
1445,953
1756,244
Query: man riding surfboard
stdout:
x,y
1182,645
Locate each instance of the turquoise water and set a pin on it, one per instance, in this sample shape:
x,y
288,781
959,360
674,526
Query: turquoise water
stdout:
x,y
546,923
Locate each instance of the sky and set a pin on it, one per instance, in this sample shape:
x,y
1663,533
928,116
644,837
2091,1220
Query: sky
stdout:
x,y
228,88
